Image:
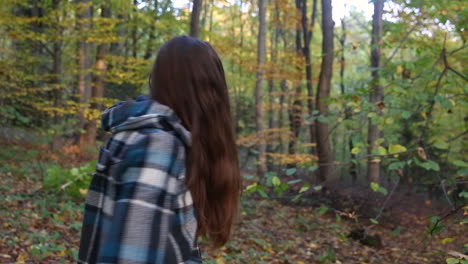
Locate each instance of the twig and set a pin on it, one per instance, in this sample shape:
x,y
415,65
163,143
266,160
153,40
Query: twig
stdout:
x,y
400,44
388,199
457,73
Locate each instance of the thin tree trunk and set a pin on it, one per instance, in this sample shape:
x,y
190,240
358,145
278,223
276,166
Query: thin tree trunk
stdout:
x,y
348,112
261,54
135,30
206,9
326,168
271,79
195,18
376,95
284,89
295,118
57,70
101,67
308,35
84,65
152,33
210,28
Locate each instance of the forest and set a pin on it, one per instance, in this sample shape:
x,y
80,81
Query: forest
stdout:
x,y
351,121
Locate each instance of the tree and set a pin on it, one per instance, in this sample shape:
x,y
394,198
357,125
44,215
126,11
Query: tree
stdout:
x,y
101,67
195,19
295,112
308,36
376,93
325,158
261,54
84,65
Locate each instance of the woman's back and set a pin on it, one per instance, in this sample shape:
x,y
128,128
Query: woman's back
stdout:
x,y
138,207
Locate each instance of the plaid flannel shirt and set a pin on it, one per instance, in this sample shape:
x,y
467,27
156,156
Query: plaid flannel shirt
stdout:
x,y
138,209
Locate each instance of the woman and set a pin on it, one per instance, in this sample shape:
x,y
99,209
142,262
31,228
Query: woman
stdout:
x,y
169,173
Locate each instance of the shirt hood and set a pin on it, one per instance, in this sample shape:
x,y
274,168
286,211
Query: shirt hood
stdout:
x,y
143,112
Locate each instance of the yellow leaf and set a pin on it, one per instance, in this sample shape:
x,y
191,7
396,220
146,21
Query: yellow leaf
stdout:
x,y
399,69
21,258
219,260
447,240
83,191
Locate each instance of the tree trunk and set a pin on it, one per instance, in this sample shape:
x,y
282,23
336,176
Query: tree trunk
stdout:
x,y
261,54
295,113
121,48
325,158
135,30
206,10
284,89
101,67
376,94
84,65
152,33
195,19
308,35
271,79
57,70
348,111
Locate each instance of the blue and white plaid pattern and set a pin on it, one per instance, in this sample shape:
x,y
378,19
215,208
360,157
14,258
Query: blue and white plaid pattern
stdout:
x,y
138,208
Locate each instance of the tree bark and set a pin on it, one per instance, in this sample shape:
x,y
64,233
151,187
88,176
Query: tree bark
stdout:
x,y
348,112
261,54
84,65
195,19
121,48
135,30
376,94
101,67
308,36
271,79
57,70
325,157
295,112
152,33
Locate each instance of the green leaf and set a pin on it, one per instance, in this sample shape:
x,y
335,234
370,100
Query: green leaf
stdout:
x,y
318,188
463,195
262,193
322,119
374,186
304,188
441,144
374,221
383,190
313,168
396,165
276,181
397,231
248,176
396,148
452,261
406,114
381,150
460,163
252,187
290,171
322,210
294,181
355,150
429,165
74,171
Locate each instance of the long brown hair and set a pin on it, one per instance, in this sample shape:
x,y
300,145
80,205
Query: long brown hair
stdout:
x,y
188,76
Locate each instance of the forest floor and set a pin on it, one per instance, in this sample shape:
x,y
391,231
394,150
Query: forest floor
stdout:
x,y
39,226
